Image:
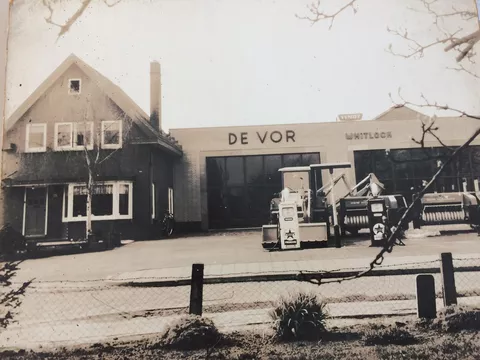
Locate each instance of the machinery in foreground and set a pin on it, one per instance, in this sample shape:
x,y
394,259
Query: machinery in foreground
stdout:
x,y
301,214
447,209
304,213
354,209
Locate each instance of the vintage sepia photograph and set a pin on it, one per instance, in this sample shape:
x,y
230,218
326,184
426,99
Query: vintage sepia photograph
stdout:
x,y
226,179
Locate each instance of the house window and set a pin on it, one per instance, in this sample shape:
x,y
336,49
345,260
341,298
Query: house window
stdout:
x,y
111,134
170,200
79,200
102,200
83,135
74,86
36,138
63,136
124,199
154,198
110,201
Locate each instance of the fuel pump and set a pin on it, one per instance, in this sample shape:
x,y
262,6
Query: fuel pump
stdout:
x,y
288,225
378,221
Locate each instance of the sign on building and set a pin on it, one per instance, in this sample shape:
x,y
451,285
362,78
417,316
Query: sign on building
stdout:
x,y
349,117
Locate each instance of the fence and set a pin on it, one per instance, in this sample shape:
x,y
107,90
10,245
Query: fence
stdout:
x,y
99,311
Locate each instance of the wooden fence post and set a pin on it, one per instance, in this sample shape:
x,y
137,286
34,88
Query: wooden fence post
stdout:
x,y
196,290
426,296
448,280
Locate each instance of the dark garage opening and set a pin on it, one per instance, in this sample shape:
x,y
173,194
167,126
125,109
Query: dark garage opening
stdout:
x,y
240,187
402,170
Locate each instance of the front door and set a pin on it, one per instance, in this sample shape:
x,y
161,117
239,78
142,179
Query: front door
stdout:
x,y
35,211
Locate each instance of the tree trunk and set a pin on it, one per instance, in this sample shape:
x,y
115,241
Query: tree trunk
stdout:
x,y
89,205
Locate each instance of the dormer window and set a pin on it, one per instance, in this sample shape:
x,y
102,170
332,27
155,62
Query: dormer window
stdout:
x,y
74,86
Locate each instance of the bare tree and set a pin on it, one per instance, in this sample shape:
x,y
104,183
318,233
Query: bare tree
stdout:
x,y
464,39
93,154
82,5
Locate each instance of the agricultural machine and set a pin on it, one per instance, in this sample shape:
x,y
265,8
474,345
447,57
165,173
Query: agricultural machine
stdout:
x,y
304,213
353,208
447,209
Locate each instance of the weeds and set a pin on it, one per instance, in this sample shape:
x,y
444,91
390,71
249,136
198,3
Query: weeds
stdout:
x,y
300,317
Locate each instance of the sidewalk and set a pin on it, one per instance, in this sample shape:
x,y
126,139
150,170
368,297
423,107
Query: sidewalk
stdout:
x,y
280,267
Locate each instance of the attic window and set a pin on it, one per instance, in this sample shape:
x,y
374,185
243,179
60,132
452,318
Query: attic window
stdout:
x,y
74,86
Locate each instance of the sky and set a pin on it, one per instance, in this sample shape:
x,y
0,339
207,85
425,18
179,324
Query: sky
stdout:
x,y
242,62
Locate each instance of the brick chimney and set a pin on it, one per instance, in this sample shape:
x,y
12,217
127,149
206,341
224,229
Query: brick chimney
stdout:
x,y
155,96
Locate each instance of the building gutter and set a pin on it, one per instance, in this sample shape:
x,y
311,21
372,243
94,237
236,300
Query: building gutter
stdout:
x,y
169,148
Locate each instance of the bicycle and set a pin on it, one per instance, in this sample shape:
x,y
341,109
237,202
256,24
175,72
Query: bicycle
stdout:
x,y
168,224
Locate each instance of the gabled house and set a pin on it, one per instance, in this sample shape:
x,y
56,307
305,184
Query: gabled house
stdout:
x,y
79,135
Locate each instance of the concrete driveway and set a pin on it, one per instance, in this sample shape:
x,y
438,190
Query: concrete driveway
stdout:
x,y
226,249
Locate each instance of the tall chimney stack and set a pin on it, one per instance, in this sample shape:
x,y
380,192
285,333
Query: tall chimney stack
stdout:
x,y
155,95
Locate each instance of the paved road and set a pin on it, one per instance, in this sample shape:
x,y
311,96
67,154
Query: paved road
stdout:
x,y
224,251
71,312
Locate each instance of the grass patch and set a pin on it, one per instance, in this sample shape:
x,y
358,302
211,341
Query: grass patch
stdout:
x,y
301,316
391,335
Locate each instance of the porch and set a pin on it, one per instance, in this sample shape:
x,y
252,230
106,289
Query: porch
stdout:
x,y
57,212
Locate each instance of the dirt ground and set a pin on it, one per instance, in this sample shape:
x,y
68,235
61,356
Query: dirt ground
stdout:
x,y
350,343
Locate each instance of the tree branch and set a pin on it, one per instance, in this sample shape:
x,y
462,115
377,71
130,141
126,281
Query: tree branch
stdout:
x,y
435,104
449,38
464,14
64,28
112,4
319,15
416,48
462,68
68,24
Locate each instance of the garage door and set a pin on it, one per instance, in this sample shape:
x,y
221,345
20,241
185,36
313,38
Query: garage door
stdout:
x,y
240,187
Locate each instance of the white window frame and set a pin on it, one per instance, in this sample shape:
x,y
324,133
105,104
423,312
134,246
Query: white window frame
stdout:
x,y
116,202
65,147
154,198
120,133
27,138
170,200
70,92
75,133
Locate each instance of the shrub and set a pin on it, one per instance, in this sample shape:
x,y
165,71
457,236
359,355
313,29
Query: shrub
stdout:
x,y
456,318
388,336
191,333
299,317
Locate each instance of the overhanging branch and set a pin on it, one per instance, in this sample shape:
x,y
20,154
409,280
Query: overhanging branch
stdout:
x,y
317,14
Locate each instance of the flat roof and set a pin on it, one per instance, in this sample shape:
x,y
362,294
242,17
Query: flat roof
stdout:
x,y
294,169
345,165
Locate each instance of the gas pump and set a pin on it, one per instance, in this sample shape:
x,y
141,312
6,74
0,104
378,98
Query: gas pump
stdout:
x,y
377,221
288,227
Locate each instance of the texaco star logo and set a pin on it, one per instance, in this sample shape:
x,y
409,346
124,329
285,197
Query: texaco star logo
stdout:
x,y
379,228
289,234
